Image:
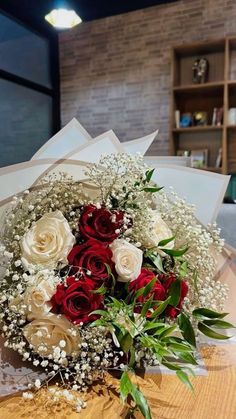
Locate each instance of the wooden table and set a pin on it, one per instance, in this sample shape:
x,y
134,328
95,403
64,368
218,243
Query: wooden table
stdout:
x,y
214,395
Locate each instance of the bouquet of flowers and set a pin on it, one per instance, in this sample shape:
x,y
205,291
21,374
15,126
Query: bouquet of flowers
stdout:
x,y
107,275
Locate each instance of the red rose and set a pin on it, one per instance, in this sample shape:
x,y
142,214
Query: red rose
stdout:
x,y
76,300
167,280
90,258
143,279
100,223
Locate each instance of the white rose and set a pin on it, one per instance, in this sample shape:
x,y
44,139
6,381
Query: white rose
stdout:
x,y
48,241
35,301
37,298
128,260
45,333
160,231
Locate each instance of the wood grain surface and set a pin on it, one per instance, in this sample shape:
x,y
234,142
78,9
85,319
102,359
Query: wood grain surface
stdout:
x,y
214,395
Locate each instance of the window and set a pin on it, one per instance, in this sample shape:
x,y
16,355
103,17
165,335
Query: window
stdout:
x,y
28,96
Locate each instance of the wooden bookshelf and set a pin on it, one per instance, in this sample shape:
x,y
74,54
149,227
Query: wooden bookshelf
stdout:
x,y
219,91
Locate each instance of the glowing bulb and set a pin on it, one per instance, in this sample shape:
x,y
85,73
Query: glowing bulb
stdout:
x,y
63,18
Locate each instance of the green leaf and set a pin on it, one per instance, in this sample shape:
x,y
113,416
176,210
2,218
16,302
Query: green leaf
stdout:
x,y
219,324
157,261
187,357
186,329
128,388
141,402
147,305
179,347
125,386
153,325
175,252
166,332
152,189
171,366
174,292
149,174
132,359
98,323
184,378
166,241
101,290
110,275
145,290
183,270
149,286
126,342
210,314
102,313
210,332
159,310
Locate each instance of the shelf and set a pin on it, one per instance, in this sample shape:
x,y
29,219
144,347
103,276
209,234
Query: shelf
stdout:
x,y
218,92
231,127
212,169
189,88
199,128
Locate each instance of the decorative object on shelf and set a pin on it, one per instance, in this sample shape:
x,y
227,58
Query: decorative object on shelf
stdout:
x,y
200,70
219,158
199,158
186,120
200,118
177,118
183,153
217,117
232,116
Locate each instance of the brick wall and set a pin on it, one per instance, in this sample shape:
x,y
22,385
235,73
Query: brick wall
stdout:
x,y
115,72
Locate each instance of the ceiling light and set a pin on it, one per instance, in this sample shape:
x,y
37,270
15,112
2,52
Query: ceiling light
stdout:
x,y
63,18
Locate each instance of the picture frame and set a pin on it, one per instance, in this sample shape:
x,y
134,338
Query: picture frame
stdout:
x,y
199,158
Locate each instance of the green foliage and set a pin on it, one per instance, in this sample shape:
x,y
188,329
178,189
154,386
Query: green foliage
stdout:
x,y
110,275
174,292
127,388
149,174
143,292
186,329
155,259
183,270
101,290
219,324
152,189
184,378
211,333
166,241
210,314
161,307
126,342
175,252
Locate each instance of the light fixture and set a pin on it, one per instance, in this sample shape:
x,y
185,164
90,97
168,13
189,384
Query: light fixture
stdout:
x,y
63,18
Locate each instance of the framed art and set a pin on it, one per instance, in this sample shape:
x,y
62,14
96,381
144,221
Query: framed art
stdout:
x,y
199,158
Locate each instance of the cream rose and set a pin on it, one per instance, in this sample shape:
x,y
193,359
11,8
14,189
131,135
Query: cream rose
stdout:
x,y
128,260
48,241
160,231
37,297
35,301
46,333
